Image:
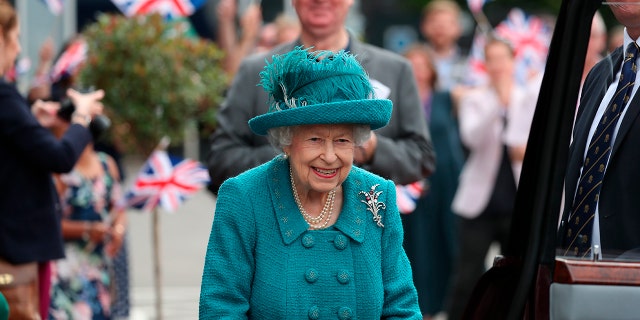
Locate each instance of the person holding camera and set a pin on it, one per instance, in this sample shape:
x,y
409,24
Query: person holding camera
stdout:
x,y
30,234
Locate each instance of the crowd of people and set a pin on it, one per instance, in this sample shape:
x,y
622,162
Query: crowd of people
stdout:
x,y
317,150
62,220
478,132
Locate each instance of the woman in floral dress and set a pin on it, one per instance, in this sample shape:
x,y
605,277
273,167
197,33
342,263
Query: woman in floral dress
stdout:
x,y
93,228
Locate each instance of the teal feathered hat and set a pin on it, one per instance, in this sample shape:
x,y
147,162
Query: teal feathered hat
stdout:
x,y
318,87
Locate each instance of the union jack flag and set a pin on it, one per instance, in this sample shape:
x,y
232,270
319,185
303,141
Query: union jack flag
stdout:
x,y
407,196
55,6
475,6
167,8
166,181
530,38
70,59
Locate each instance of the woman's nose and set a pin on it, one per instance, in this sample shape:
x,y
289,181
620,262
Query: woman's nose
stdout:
x,y
329,153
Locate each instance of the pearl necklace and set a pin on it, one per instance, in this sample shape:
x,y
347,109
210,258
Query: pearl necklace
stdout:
x,y
315,223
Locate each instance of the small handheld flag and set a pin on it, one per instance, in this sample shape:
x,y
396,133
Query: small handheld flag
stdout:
x,y
55,6
166,181
70,59
475,6
530,37
407,196
167,8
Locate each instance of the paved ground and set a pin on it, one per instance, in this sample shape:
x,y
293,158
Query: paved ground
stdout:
x,y
183,240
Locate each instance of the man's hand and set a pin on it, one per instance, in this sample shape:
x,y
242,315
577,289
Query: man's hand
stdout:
x,y
364,154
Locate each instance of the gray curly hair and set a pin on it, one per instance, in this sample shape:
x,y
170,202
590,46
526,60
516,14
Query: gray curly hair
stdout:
x,y
282,136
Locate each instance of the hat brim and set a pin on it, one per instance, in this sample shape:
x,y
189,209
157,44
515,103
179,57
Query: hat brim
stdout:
x,y
373,112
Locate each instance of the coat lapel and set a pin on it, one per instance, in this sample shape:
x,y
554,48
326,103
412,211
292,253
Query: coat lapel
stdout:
x,y
353,219
290,221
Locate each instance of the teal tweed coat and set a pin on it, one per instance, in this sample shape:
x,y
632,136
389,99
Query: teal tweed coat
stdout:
x,y
262,262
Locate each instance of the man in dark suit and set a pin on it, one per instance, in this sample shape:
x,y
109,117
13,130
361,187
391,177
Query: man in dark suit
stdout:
x,y
401,151
602,211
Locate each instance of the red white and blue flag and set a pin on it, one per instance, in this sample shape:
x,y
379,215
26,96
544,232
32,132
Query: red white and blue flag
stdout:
x,y
530,38
475,6
70,59
407,196
167,8
166,181
55,6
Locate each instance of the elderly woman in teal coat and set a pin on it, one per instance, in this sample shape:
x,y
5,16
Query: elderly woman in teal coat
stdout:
x,y
307,235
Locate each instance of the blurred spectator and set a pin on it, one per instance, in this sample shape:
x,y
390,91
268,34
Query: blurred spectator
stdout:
x,y
30,153
254,36
494,126
41,86
288,28
64,79
106,144
615,38
441,27
267,38
235,46
93,227
401,151
597,44
283,29
430,240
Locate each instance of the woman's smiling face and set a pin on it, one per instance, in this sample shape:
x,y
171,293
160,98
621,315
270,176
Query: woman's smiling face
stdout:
x,y
321,156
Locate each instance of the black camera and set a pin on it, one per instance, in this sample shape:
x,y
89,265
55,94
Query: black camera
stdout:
x,y
98,125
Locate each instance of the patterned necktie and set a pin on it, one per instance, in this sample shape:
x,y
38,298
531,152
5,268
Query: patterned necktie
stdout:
x,y
577,239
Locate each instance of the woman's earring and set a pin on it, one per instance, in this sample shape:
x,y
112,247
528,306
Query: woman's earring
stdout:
x,y
285,156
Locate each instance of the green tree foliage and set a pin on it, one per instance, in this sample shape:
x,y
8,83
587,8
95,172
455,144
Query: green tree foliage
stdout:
x,y
155,75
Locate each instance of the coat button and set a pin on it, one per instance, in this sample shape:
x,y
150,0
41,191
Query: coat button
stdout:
x,y
343,276
314,313
340,242
307,241
311,275
344,313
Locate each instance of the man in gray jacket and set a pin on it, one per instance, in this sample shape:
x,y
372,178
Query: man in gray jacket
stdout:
x,y
401,151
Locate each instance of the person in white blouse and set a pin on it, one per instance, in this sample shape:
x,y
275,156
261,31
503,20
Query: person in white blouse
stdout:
x,y
494,126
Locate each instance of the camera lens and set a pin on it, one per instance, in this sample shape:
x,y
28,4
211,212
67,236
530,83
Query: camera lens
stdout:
x,y
66,109
98,126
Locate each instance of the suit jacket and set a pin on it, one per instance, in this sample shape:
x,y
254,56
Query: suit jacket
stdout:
x,y
404,153
262,262
29,205
619,204
483,131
